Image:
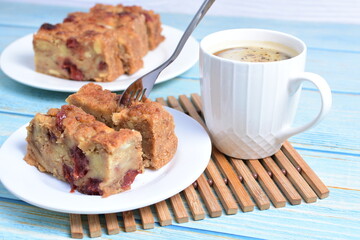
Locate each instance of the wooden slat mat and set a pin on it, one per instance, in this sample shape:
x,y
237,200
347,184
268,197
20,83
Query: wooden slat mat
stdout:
x,y
226,185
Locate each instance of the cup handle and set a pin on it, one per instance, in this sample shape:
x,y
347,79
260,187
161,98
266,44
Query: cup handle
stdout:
x,y
326,101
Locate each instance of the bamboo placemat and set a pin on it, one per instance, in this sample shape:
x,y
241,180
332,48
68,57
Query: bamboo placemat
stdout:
x,y
226,185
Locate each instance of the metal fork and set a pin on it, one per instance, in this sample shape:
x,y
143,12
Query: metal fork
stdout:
x,y
140,89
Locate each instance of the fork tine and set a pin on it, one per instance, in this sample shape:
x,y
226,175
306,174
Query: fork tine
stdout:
x,y
142,95
137,95
125,98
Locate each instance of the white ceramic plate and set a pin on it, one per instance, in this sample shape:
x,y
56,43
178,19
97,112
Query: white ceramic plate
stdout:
x,y
17,61
45,191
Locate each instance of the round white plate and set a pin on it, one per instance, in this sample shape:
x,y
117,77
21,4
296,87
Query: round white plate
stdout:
x,y
17,61
45,191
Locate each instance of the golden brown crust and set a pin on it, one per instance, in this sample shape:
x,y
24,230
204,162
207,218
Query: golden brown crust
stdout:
x,y
91,98
98,96
82,126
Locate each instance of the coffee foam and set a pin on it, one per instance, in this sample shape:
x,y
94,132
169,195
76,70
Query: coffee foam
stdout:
x,y
265,44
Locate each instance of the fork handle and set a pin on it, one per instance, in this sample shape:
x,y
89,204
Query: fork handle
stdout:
x,y
194,22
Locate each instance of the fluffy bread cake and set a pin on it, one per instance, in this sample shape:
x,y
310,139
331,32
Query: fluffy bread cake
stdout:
x,y
99,45
93,158
155,124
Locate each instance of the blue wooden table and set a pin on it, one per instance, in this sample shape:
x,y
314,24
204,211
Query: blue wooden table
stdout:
x,y
332,148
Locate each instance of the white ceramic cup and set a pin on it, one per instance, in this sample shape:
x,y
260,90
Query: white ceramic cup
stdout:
x,y
249,107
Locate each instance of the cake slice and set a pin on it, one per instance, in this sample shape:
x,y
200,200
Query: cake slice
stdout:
x,y
93,158
99,45
156,125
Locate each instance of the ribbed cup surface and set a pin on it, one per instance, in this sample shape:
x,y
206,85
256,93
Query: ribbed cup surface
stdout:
x,y
246,105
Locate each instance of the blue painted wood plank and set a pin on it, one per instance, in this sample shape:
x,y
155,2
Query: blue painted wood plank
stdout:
x,y
274,223
307,221
334,170
19,220
9,123
344,115
32,15
10,34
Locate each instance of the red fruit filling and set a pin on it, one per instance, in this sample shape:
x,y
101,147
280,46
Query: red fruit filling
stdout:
x,y
69,176
81,162
91,187
148,18
69,18
72,43
60,116
48,26
129,178
74,72
129,14
102,66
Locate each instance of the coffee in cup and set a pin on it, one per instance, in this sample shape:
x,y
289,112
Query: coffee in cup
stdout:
x,y
257,51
